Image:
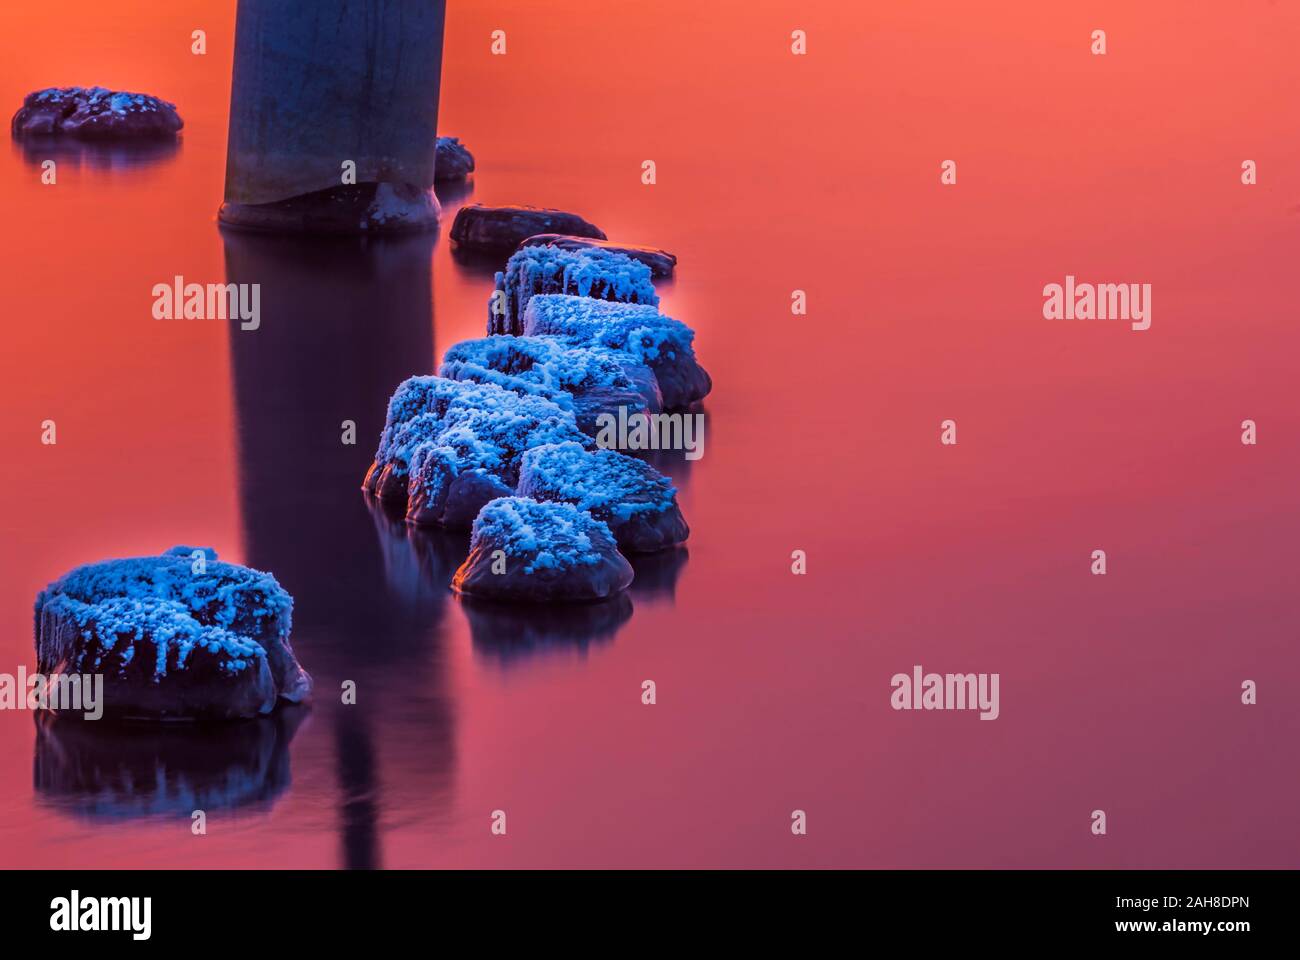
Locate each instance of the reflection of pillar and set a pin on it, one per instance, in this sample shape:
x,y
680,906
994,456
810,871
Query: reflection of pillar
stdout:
x,y
342,322
334,115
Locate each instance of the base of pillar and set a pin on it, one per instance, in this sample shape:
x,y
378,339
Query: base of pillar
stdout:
x,y
363,208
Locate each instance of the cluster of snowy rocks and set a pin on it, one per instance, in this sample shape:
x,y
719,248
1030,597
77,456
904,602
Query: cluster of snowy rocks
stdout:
x,y
181,635
95,113
502,440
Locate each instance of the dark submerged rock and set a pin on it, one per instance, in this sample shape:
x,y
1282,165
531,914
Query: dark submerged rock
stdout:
x,y
502,229
95,113
663,344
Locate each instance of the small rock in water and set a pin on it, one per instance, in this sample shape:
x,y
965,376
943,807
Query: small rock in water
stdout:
x,y
661,262
180,635
588,381
521,549
95,113
595,273
502,229
636,501
452,161
660,342
414,414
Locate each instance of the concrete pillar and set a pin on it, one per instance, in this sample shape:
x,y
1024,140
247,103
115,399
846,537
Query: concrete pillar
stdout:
x,y
334,115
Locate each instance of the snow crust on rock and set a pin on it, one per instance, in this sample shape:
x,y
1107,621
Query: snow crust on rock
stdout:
x,y
224,595
639,331
180,634
95,112
542,536
452,159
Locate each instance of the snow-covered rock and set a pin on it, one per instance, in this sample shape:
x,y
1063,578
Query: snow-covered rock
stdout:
x,y
588,381
414,415
127,771
661,262
595,273
501,229
95,113
178,635
663,344
450,446
524,550
636,501
452,160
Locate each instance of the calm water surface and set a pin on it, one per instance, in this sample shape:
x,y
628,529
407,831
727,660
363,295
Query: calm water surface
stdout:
x,y
775,173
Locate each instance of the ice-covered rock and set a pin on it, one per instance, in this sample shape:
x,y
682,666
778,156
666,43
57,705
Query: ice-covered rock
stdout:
x,y
450,446
448,486
588,381
524,550
636,501
663,344
178,635
501,229
452,160
532,271
661,262
414,415
95,113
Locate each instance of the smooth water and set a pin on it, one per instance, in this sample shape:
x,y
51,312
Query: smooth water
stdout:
x,y
776,173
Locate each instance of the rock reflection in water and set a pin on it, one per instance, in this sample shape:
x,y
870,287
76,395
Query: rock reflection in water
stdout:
x,y
121,771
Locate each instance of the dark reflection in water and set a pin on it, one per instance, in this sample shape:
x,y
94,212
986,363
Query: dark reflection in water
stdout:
x,y
418,562
483,266
100,157
342,323
121,771
512,633
656,574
